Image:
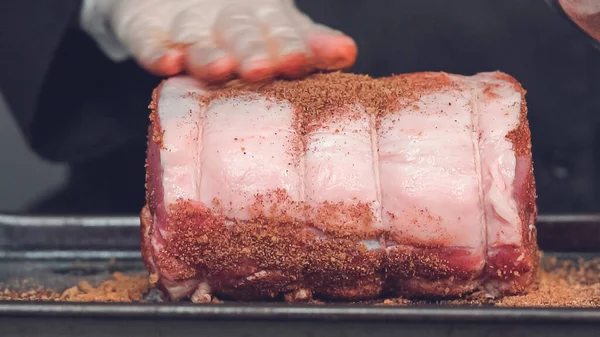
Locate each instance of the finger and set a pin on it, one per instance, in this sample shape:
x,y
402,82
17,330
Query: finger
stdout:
x,y
145,30
286,44
331,48
157,54
169,63
193,24
207,62
240,33
203,58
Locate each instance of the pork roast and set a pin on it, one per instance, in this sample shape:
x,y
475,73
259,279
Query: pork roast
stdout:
x,y
340,187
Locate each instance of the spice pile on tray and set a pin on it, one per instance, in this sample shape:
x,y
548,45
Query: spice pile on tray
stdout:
x,y
121,288
561,284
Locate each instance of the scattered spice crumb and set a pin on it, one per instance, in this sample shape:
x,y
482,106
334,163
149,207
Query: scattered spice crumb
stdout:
x,y
562,283
568,284
30,295
121,288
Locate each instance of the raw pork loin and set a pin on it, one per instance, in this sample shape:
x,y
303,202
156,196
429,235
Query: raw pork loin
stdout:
x,y
340,186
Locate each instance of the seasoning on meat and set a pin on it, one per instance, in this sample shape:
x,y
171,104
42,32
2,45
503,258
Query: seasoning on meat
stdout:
x,y
340,186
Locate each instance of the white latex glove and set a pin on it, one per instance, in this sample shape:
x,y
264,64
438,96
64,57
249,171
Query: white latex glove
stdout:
x,y
585,13
215,39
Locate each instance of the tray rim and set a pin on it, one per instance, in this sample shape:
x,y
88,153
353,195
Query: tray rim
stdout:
x,y
14,219
263,311
269,311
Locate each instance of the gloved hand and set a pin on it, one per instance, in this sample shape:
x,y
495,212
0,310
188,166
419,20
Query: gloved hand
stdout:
x,y
585,13
215,39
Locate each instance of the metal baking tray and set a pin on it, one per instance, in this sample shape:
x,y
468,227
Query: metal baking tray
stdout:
x,y
58,252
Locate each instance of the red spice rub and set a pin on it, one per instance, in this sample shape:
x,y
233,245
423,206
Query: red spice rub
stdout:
x,y
282,257
319,97
520,136
156,132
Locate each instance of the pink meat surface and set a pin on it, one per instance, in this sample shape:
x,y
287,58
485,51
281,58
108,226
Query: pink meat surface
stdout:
x,y
341,186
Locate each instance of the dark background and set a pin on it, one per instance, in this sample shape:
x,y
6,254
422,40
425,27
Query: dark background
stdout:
x,y
555,62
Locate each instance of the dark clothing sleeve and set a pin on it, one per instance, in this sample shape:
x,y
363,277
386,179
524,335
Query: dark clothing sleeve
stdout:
x,y
31,32
71,102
